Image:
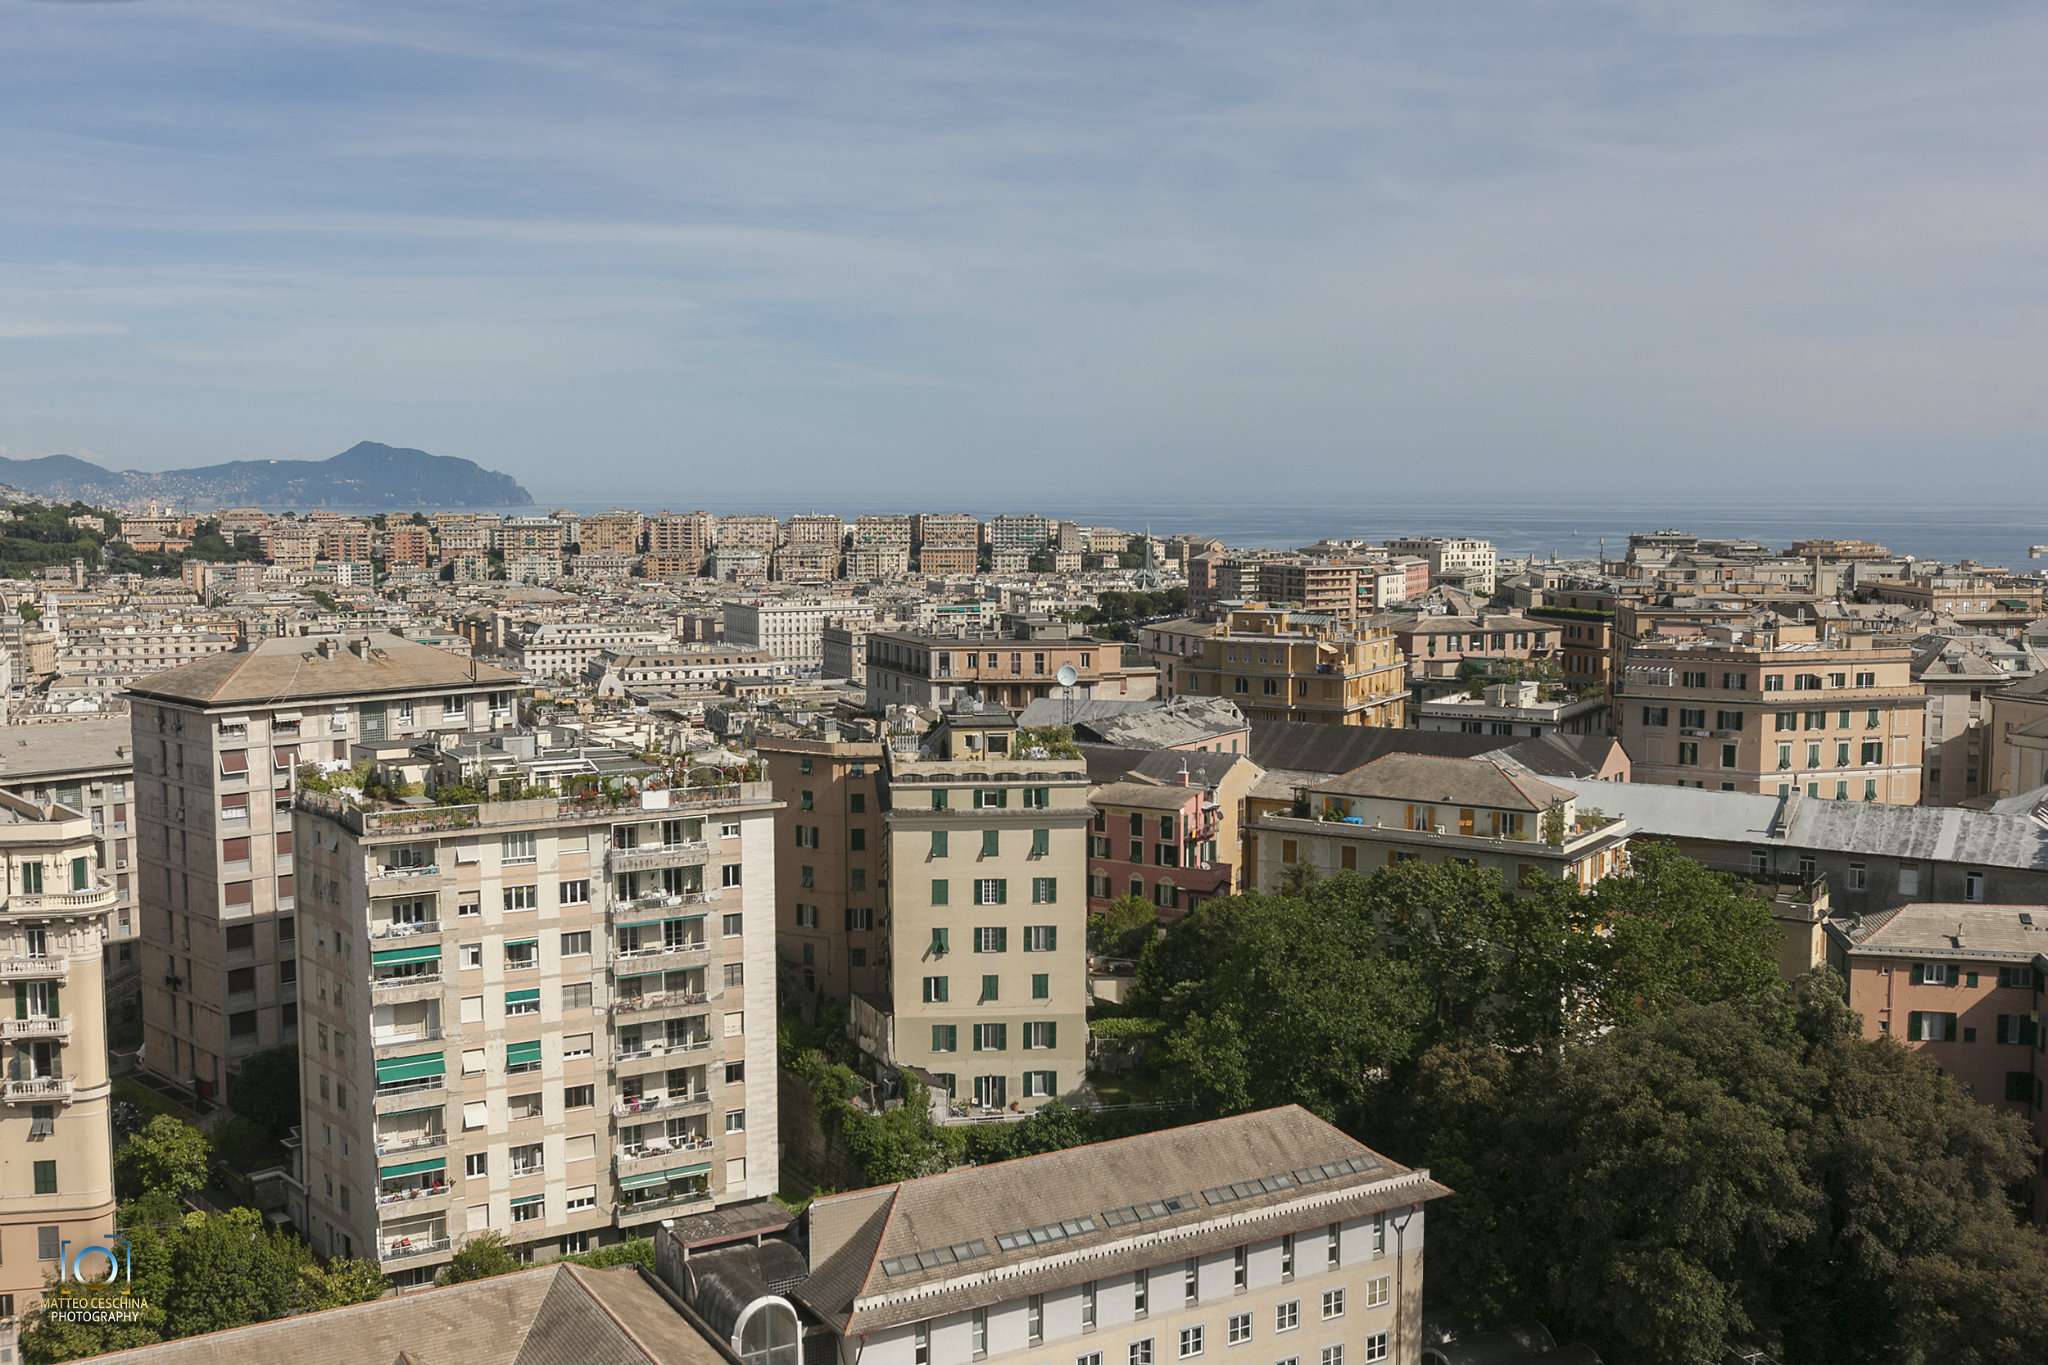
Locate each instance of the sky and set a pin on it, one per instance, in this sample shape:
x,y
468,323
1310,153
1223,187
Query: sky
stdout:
x,y
910,254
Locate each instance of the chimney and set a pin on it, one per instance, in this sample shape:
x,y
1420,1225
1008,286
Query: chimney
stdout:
x,y
326,648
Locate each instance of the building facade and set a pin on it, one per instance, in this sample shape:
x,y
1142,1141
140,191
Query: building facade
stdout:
x,y
1277,667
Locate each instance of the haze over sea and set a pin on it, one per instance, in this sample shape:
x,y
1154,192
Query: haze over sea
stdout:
x,y
1988,533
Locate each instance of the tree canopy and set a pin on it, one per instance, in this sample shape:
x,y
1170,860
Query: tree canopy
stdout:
x,y
168,1156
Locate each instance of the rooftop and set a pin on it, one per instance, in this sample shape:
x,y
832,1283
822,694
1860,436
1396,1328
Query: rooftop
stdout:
x,y
2015,932
55,750
1446,781
301,668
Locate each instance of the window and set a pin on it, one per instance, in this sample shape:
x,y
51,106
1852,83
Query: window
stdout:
x,y
729,875
936,990
1141,1352
1333,1304
1333,1355
1191,1281
1041,843
1929,1026
938,843
470,954
991,891
1973,886
921,1344
518,848
1088,1306
1376,1346
573,893
1859,877
991,1037
991,939
576,996
1287,1316
942,893
1239,1330
1045,890
1041,986
1190,1342
1141,1292
1034,1319
476,1165
46,1177
519,898
1042,1036
980,1333
1378,1290
735,1120
576,944
945,1037
1041,938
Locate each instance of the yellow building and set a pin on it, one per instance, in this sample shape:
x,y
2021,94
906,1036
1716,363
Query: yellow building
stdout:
x,y
56,1157
1281,665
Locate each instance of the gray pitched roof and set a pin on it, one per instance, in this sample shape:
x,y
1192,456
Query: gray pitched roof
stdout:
x,y
1449,781
294,668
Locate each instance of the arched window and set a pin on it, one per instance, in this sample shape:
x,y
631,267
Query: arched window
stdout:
x,y
767,1333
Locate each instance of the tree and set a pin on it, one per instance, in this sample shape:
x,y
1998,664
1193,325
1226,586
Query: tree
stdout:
x,y
1675,932
481,1257
342,1281
168,1156
230,1269
266,1090
1351,1013
1123,927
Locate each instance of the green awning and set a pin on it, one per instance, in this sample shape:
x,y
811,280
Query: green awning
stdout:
x,y
425,952
640,924
409,1068
525,1199
521,1054
627,973
522,943
643,1182
435,1164
522,997
680,1172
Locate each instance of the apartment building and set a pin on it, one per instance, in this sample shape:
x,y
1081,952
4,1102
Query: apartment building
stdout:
x,y
56,1141
87,766
748,532
1013,666
407,546
630,674
1402,807
880,548
611,533
345,541
551,1018
1960,675
1160,842
843,653
1960,984
1584,617
1013,531
2019,738
985,873
806,562
832,929
568,649
1267,1236
814,528
682,541
217,748
291,544
1518,708
1470,564
945,543
792,628
1277,665
123,650
1439,647
1768,710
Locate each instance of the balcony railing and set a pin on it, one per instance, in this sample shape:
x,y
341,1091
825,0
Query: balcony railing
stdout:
x,y
401,1248
58,1027
652,857
398,1093
395,872
627,961
633,1157
648,1050
411,1142
423,1033
37,1089
633,1208
34,968
384,984
659,1000
660,900
99,896
397,1203
405,928
666,1102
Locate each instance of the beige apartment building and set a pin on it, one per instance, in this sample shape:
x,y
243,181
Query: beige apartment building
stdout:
x,y
551,1018
56,1142
217,747
1013,666
2018,739
946,543
1264,1237
87,766
832,932
681,540
1962,676
1275,666
986,867
1961,985
1774,710
611,533
1422,807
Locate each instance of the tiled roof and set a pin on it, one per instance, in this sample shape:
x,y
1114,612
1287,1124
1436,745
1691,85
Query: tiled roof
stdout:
x,y
984,1234
300,667
1449,781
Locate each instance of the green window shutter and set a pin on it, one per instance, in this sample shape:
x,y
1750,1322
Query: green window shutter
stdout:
x,y
413,1068
990,985
991,843
2029,1030
1919,974
78,874
1041,986
941,892
938,798
938,843
1041,842
21,1000
56,1002
522,1054
1052,1033
1913,1021
531,994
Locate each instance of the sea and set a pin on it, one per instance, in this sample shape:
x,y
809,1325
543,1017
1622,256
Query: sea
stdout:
x,y
1998,534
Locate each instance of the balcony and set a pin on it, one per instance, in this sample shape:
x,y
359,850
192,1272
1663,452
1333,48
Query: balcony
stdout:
x,y
41,1089
389,879
409,986
664,1103
401,1037
88,901
638,1158
395,1143
661,900
34,968
405,929
58,1027
654,857
409,1247
653,956
627,1058
413,1200
413,1094
650,1001
674,1200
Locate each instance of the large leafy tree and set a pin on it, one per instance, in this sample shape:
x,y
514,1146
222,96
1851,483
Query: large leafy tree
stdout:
x,y
166,1156
481,1257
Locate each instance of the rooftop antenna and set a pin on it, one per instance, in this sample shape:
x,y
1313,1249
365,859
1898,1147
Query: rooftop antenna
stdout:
x,y
1066,678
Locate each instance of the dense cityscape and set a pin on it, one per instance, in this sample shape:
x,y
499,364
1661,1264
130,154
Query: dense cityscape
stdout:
x,y
736,928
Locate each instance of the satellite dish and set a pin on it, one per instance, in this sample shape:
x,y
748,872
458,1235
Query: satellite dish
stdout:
x,y
1066,677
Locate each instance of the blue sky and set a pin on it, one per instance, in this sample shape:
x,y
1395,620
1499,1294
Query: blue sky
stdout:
x,y
904,252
